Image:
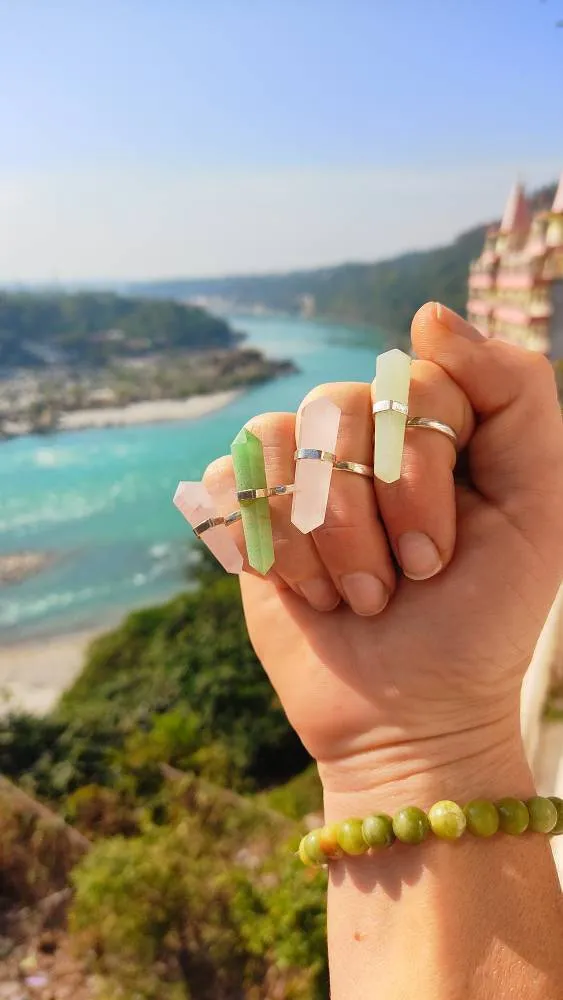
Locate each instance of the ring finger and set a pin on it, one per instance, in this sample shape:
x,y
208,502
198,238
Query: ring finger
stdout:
x,y
419,509
352,542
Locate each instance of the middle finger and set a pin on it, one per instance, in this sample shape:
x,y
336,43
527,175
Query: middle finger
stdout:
x,y
352,541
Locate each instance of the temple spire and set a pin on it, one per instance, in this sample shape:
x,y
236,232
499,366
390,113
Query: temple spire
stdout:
x,y
517,217
558,200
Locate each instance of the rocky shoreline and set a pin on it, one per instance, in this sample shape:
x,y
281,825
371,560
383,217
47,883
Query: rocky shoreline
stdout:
x,y
179,386
15,567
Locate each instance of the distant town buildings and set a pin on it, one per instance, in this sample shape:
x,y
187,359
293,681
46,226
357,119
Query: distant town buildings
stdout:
x,y
516,285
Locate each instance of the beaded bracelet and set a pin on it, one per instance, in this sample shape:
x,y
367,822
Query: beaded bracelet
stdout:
x,y
444,819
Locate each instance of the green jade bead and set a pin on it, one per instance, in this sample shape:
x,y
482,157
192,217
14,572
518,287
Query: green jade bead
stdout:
x,y
410,825
543,814
482,817
558,803
513,816
313,849
302,853
377,830
447,820
350,837
328,840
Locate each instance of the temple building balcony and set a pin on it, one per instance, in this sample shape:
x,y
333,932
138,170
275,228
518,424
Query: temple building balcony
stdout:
x,y
479,307
535,338
485,264
553,266
521,278
512,315
540,307
481,279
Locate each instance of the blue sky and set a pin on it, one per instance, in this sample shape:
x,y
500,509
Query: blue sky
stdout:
x,y
156,137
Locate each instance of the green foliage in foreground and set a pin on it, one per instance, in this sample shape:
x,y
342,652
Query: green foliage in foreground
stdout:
x,y
177,684
190,890
299,796
191,654
172,914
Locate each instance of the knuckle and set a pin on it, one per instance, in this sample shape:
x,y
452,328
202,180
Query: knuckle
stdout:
x,y
326,389
269,426
218,470
541,368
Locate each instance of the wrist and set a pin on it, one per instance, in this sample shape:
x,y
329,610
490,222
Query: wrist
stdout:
x,y
488,762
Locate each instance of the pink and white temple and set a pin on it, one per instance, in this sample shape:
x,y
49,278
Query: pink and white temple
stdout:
x,y
516,285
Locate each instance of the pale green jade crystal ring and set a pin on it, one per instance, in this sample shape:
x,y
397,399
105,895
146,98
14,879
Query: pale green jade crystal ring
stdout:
x,y
391,412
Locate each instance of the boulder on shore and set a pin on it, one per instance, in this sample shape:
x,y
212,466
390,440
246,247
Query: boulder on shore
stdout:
x,y
18,566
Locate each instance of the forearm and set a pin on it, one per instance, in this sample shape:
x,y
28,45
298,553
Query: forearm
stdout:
x,y
475,919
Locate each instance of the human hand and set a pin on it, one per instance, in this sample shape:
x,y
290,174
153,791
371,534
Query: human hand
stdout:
x,y
381,674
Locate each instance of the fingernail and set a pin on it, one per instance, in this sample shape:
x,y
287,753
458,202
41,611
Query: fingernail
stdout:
x,y
455,324
418,555
366,594
321,594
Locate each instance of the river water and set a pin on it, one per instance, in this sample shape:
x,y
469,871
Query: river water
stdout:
x,y
100,500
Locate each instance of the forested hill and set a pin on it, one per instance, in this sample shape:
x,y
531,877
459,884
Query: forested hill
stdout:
x,y
385,294
94,328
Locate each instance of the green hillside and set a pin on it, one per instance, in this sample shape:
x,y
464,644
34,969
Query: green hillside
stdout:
x,y
95,327
385,294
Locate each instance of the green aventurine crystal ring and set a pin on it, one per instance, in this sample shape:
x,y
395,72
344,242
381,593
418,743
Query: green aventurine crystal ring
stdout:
x,y
244,496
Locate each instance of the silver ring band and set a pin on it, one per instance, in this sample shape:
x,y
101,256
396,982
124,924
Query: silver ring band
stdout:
x,y
428,424
244,496
214,522
390,404
357,467
328,456
316,454
211,522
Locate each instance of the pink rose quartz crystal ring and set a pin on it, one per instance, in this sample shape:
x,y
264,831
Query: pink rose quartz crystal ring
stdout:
x,y
194,501
315,460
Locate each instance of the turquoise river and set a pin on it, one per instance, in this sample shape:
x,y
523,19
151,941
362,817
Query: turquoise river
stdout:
x,y
100,500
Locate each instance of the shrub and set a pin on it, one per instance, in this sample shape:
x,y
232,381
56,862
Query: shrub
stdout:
x,y
35,853
190,911
193,655
157,910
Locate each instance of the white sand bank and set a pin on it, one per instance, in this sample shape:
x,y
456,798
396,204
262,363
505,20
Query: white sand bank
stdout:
x,y
34,674
149,412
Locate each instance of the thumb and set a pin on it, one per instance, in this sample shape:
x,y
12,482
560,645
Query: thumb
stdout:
x,y
516,454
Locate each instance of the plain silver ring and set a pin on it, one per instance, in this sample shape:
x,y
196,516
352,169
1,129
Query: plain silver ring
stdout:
x,y
214,522
390,404
210,522
429,424
317,454
328,456
245,496
357,467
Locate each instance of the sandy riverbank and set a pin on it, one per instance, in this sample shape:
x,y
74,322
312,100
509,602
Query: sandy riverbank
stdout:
x,y
33,674
148,412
